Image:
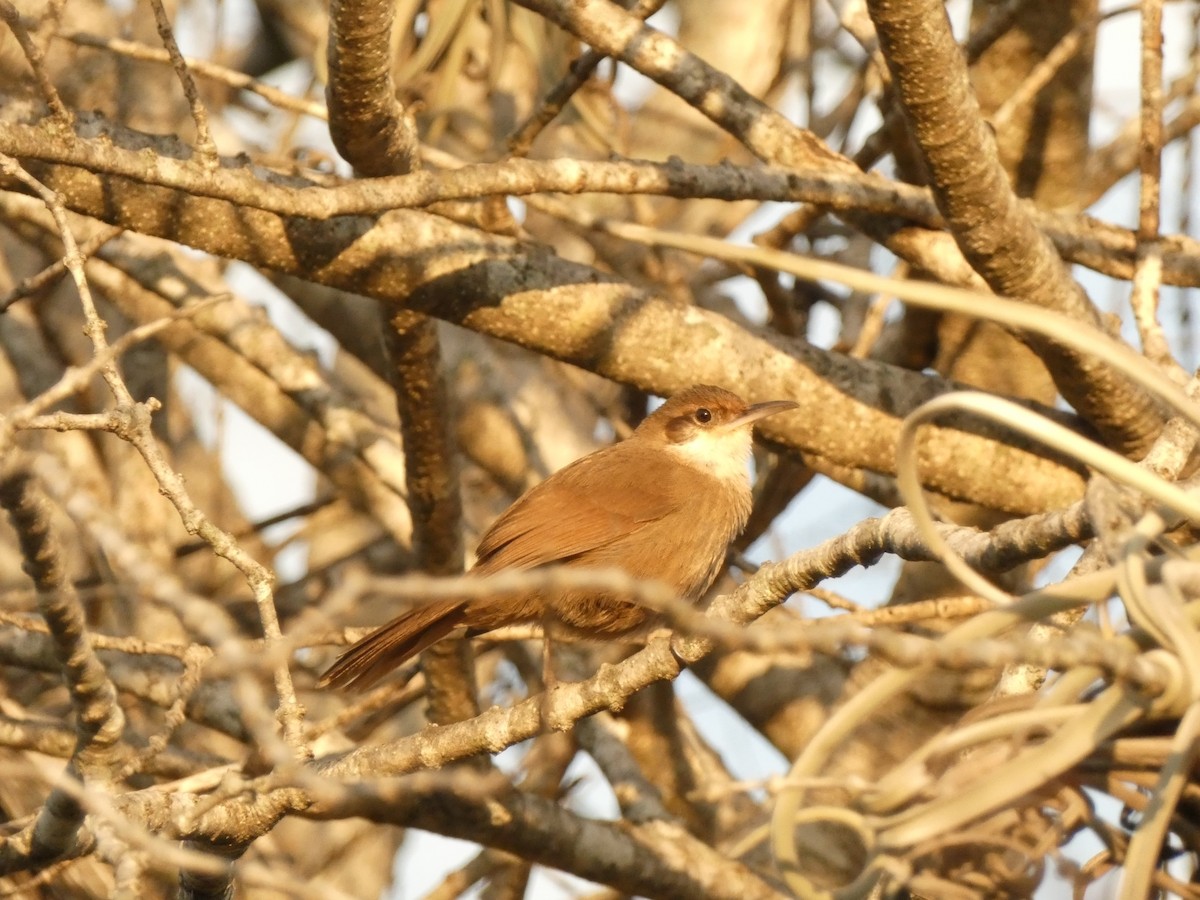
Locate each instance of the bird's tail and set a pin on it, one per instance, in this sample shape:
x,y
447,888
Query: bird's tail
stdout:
x,y
390,645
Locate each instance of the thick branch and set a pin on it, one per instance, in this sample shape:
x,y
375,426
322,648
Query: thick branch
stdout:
x,y
370,129
575,314
993,230
367,124
1097,245
654,858
99,718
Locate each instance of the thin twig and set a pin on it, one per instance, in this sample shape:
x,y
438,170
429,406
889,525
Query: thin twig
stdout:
x,y
204,140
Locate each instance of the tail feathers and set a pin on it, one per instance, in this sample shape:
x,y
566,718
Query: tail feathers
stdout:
x,y
392,644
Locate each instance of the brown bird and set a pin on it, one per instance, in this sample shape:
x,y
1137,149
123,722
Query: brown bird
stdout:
x,y
663,505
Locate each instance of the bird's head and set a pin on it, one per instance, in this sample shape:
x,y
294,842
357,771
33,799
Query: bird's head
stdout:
x,y
710,428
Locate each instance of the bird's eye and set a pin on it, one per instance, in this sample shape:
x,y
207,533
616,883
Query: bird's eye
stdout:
x,y
703,416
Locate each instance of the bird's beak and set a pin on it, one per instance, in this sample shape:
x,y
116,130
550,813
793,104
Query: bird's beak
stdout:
x,y
760,411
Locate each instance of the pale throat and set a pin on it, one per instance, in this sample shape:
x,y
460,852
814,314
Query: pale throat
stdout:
x,y
723,454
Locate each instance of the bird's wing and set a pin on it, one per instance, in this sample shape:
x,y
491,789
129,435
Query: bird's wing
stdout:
x,y
566,516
